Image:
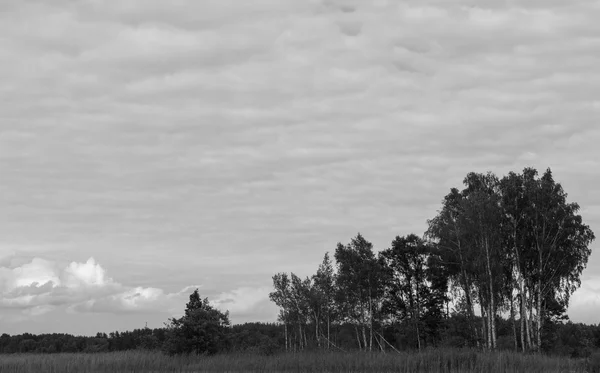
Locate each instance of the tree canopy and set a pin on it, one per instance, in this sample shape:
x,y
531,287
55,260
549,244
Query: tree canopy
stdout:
x,y
202,329
512,245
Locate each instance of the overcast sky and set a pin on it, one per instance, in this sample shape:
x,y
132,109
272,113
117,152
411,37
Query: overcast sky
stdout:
x,y
148,147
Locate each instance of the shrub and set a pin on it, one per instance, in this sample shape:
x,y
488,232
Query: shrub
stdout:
x,y
594,362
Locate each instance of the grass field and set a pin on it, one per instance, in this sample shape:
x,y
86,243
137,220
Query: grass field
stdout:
x,y
427,361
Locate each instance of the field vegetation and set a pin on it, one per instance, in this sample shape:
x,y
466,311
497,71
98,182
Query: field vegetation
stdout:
x,y
433,360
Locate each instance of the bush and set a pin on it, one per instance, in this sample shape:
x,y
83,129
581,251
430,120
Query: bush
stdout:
x,y
594,362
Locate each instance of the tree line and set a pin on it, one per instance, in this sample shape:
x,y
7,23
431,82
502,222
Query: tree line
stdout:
x,y
511,246
568,339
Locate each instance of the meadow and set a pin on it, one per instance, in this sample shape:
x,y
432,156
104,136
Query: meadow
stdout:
x,y
435,360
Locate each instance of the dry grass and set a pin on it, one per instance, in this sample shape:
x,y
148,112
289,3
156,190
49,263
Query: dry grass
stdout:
x,y
447,361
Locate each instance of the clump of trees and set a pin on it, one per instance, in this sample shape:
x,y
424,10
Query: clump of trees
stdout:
x,y
513,246
202,330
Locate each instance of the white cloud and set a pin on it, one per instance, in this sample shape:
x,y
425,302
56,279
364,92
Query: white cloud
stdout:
x,y
585,302
39,287
37,273
85,274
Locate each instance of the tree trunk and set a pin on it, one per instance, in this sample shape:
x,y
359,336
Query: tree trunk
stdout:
x,y
363,321
317,337
286,336
494,331
538,315
522,317
492,312
467,288
305,339
328,325
520,284
418,312
379,340
514,322
528,323
525,341
364,335
484,332
418,336
489,327
357,336
370,321
522,308
470,307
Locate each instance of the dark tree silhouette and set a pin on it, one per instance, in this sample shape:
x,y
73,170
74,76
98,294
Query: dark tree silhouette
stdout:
x,y
202,330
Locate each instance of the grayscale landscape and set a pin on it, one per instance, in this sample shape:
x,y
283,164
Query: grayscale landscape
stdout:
x,y
299,185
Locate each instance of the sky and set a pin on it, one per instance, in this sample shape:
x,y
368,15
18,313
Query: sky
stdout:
x,y
148,148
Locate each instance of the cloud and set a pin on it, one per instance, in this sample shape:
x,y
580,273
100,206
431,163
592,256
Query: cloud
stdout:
x,y
40,286
85,274
247,304
37,273
585,302
137,300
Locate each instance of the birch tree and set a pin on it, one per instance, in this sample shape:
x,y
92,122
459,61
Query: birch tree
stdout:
x,y
359,286
559,246
482,218
414,288
324,284
281,297
447,231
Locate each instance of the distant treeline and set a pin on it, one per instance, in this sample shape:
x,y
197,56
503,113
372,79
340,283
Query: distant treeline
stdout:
x,y
569,339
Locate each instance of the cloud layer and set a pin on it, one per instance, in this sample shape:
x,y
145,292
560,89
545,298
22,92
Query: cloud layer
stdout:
x,y
217,142
39,287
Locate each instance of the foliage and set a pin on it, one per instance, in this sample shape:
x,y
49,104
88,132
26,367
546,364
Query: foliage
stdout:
x,y
202,330
511,245
568,339
594,363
